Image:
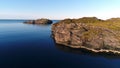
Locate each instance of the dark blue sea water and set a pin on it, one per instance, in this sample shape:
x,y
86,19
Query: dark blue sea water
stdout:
x,y
31,46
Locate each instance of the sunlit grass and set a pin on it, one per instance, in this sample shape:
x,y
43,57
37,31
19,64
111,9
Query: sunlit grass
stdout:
x,y
113,23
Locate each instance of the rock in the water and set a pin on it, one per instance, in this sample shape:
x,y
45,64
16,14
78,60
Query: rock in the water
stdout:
x,y
39,21
89,33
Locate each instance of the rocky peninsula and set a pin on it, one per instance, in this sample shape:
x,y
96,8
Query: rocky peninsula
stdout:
x,y
39,21
89,33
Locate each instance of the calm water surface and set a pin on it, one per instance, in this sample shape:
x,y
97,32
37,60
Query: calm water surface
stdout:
x,y
31,46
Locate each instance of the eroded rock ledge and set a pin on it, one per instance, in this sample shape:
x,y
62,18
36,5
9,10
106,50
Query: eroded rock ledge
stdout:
x,y
39,21
90,33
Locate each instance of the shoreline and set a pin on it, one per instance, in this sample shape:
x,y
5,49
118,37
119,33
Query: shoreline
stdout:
x,y
93,50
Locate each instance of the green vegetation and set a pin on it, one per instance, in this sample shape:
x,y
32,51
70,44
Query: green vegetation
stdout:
x,y
113,23
108,24
83,20
88,20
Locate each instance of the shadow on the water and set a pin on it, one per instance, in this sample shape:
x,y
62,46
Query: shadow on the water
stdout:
x,y
82,51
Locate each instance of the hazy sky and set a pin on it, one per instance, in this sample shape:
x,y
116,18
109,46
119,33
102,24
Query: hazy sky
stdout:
x,y
58,9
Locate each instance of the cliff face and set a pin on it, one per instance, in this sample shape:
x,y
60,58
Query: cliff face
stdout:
x,y
39,21
80,33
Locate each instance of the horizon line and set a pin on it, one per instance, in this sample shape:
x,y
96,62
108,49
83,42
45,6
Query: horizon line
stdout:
x,y
55,19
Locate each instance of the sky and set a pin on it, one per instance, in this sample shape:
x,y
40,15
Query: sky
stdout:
x,y
58,9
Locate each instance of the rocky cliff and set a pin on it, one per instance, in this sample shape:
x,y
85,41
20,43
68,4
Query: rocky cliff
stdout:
x,y
89,33
39,21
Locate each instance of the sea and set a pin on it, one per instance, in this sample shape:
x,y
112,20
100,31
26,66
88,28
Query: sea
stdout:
x,y
32,46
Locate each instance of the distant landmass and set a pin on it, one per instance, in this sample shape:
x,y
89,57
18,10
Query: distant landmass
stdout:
x,y
90,33
39,21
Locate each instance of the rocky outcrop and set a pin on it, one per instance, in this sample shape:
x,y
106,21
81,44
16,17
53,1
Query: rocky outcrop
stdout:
x,y
79,34
39,21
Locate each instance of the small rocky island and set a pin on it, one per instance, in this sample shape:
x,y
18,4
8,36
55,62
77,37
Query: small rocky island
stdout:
x,y
39,21
90,33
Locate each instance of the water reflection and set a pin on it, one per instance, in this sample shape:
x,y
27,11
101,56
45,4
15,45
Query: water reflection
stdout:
x,y
86,52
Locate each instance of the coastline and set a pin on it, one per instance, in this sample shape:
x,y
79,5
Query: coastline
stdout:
x,y
93,50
